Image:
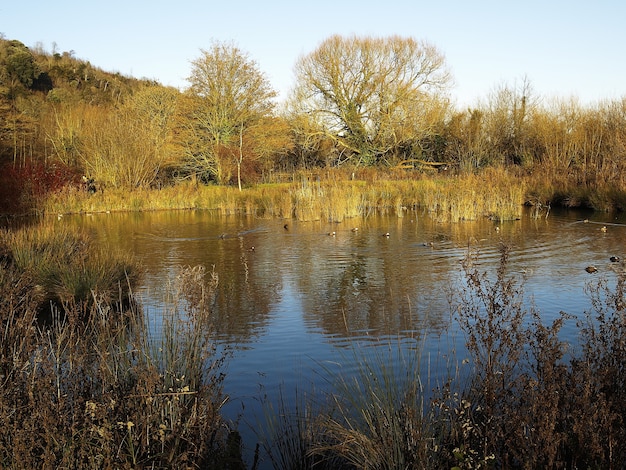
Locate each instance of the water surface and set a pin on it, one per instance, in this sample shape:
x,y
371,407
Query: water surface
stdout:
x,y
293,295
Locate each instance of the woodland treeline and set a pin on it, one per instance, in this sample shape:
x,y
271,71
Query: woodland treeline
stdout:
x,y
357,103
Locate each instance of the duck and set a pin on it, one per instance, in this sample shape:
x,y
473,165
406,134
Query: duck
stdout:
x,y
332,234
603,229
386,234
355,229
286,226
614,259
591,269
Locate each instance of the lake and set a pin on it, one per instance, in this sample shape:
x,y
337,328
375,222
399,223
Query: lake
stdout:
x,y
294,296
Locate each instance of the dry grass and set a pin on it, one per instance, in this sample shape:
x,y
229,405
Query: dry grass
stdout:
x,y
65,266
333,197
98,388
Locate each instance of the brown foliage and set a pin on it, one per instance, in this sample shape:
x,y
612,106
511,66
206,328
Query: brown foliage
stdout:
x,y
103,393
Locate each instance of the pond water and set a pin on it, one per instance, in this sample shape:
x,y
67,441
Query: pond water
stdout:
x,y
293,295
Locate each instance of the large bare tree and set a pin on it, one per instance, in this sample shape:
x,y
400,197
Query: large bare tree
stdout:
x,y
228,97
374,96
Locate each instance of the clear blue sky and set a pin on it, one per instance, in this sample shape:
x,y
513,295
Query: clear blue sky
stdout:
x,y
565,48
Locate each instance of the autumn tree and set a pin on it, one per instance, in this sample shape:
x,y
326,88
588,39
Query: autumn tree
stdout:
x,y
507,117
128,145
376,97
228,99
467,144
18,69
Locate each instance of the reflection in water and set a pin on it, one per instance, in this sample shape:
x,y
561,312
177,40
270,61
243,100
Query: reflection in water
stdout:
x,y
357,282
289,298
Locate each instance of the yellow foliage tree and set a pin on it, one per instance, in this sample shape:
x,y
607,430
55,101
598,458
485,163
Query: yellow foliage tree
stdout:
x,y
226,104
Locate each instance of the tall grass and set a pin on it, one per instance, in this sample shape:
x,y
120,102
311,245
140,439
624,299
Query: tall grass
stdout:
x,y
64,265
376,417
494,193
114,391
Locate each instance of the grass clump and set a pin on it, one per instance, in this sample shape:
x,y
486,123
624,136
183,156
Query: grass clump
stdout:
x,y
64,265
376,417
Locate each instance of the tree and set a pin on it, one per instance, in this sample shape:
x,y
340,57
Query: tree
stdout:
x,y
227,98
17,65
506,121
374,96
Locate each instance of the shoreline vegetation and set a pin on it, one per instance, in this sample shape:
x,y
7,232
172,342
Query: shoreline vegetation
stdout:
x,y
333,196
336,195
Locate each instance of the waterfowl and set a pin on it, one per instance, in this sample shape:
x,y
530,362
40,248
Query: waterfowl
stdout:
x,y
355,229
286,226
603,229
614,259
386,234
331,234
251,248
591,269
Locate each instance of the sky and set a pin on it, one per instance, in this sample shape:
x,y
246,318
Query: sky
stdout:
x,y
565,49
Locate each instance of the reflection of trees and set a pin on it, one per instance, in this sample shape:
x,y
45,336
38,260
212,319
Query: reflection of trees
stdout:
x,y
163,241
375,289
245,291
356,283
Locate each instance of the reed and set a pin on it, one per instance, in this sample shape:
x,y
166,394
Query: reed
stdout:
x,y
377,419
64,265
288,431
493,193
116,391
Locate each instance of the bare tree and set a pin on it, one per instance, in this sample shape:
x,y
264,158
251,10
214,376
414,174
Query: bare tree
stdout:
x,y
228,96
374,96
